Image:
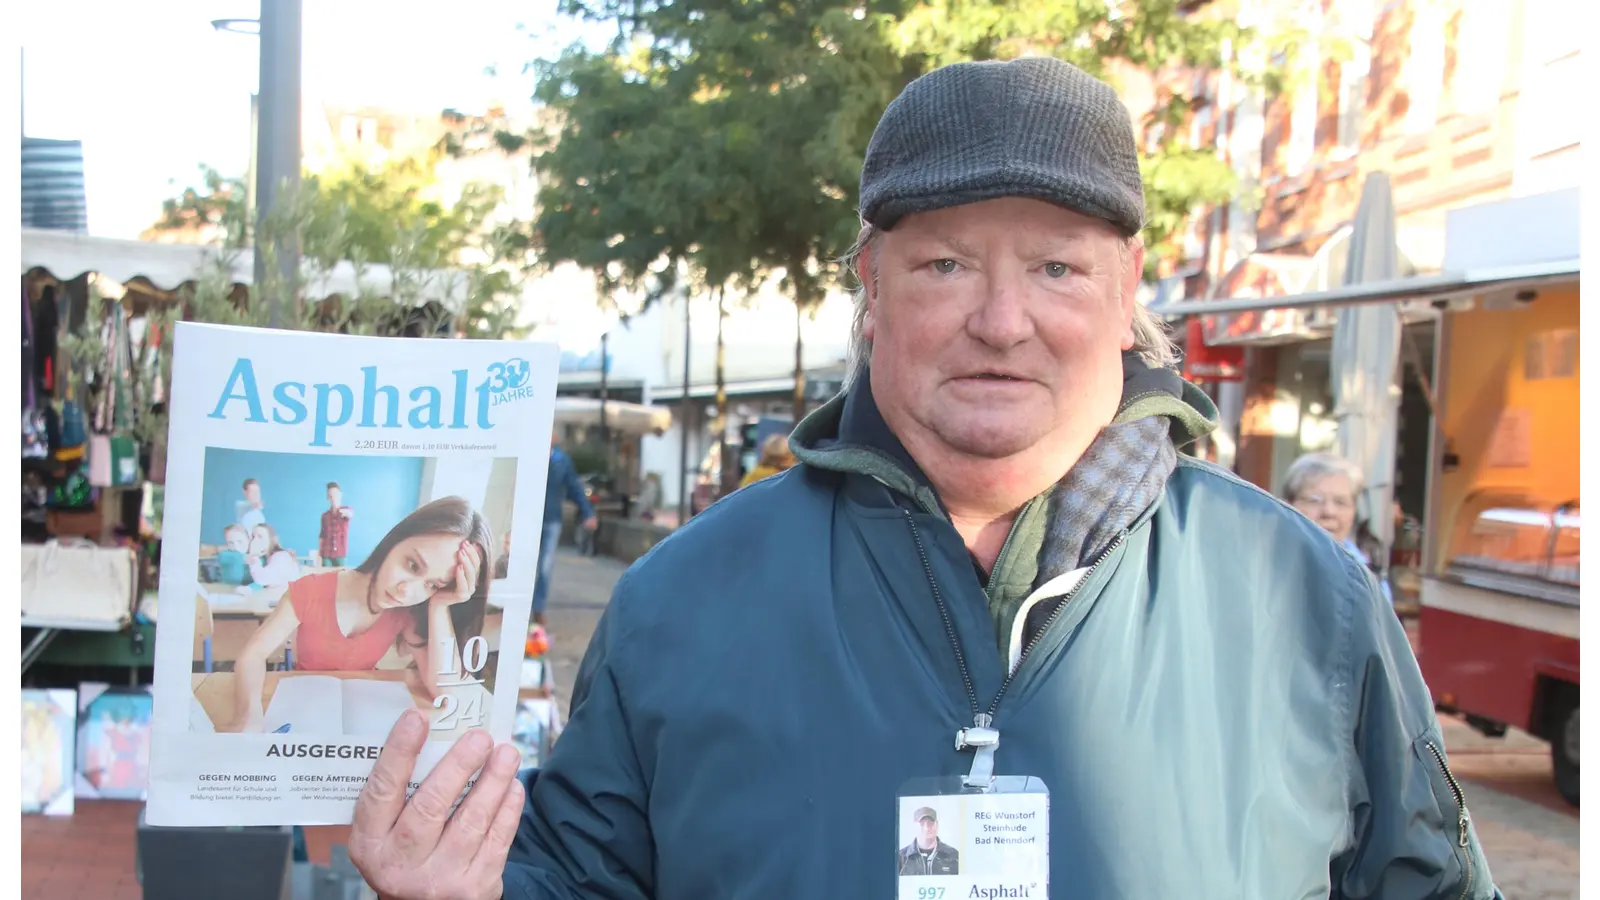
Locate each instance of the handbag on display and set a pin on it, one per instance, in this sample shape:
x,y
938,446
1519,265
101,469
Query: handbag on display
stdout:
x,y
76,584
100,460
35,434
124,461
75,493
74,433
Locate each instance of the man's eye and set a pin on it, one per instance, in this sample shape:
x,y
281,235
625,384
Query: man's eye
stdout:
x,y
945,266
1057,270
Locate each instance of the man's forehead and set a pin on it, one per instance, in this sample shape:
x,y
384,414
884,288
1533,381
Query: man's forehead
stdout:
x,y
964,232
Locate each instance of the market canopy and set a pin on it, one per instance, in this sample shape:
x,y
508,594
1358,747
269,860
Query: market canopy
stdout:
x,y
633,418
1442,287
166,267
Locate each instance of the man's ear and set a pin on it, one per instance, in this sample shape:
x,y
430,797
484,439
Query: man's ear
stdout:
x,y
1131,276
866,276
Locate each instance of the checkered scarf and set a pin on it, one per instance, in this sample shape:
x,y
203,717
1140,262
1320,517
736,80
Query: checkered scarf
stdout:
x,y
1116,480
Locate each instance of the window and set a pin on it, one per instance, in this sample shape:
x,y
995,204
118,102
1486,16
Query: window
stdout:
x,y
1424,69
1355,27
1303,117
1302,145
1482,48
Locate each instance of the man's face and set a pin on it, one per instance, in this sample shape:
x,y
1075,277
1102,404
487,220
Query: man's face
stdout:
x,y
999,325
252,493
928,831
335,497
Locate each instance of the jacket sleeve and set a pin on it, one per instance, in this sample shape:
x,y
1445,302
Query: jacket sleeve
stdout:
x,y
584,831
572,485
1413,837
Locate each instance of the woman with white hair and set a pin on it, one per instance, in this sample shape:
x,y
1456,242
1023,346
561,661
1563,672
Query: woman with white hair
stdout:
x,y
1325,487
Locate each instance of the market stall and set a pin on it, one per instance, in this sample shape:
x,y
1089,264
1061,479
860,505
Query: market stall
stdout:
x,y
1500,593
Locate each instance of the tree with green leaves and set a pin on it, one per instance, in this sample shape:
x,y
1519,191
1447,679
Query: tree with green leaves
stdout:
x,y
726,139
382,214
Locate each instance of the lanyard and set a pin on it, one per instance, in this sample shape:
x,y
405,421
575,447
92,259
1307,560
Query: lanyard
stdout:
x,y
982,737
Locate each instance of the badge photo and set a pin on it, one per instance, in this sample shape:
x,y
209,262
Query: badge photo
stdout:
x,y
959,840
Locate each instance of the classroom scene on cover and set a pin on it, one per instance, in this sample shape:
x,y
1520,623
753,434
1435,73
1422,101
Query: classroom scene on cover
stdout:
x,y
335,592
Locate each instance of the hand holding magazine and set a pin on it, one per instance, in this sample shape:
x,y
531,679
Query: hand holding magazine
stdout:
x,y
336,512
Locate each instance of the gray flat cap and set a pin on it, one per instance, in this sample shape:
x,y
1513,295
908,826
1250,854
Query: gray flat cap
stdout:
x,y
1035,127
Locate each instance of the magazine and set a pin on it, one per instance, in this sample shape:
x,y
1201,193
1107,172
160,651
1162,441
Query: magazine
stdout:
x,y
350,529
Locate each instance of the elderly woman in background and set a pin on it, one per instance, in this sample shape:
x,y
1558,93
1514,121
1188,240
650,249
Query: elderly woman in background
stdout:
x,y
775,458
1325,488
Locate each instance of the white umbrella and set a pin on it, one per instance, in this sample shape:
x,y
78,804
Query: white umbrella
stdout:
x,y
1365,361
632,418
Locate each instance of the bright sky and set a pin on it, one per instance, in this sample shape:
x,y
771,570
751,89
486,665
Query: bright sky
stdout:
x,y
153,91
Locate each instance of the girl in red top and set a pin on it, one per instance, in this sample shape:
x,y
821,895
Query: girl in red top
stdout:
x,y
423,591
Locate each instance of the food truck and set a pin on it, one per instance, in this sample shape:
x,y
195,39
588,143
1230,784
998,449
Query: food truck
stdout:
x,y
1499,604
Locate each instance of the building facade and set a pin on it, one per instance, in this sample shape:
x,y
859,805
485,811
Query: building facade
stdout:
x,y
1458,101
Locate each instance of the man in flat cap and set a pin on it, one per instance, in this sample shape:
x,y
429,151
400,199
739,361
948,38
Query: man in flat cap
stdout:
x,y
926,854
993,562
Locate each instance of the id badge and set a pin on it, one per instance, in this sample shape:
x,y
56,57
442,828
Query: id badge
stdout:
x,y
989,842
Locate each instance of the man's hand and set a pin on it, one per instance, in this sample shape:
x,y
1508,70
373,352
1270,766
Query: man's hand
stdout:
x,y
416,850
591,523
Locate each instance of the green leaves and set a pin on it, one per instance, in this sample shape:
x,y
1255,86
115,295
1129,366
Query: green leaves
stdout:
x,y
386,214
725,137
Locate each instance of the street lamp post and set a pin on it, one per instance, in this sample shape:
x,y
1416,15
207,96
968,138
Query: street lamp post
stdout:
x,y
277,135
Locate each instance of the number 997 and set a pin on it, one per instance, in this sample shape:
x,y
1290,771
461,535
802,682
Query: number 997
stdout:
x,y
930,893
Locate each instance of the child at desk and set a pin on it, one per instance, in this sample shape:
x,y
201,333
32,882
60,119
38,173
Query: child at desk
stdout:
x,y
232,567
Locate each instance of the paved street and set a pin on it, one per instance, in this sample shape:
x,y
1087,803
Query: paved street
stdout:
x,y
1528,832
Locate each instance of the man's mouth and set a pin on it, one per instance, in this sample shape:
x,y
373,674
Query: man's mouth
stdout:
x,y
999,377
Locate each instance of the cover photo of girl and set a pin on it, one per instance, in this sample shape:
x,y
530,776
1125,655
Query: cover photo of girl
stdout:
x,y
341,590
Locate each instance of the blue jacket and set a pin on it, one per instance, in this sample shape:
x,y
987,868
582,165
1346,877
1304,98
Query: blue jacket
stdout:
x,y
1225,709
562,484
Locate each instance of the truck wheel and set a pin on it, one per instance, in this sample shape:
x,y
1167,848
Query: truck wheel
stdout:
x,y
1564,755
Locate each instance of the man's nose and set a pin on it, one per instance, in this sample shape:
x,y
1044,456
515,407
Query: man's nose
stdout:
x,y
1002,320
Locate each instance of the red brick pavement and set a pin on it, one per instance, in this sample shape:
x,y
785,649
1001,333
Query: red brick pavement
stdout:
x,y
90,854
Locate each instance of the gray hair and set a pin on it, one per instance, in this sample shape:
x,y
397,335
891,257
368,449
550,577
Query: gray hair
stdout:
x,y
1150,339
1313,467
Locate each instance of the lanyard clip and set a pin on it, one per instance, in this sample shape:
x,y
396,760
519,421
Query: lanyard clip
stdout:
x,y
982,740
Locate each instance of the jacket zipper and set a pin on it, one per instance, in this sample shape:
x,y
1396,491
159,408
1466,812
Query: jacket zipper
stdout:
x,y
1463,819
1051,620
949,626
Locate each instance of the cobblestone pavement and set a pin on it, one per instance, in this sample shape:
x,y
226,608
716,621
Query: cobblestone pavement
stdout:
x,y
1528,832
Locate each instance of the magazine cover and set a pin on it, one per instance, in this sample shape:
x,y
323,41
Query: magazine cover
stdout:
x,y
48,721
113,742
336,514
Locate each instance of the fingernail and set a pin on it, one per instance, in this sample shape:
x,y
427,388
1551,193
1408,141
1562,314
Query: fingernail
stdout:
x,y
506,756
481,742
412,723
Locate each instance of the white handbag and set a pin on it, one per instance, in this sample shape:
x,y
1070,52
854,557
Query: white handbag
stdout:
x,y
77,585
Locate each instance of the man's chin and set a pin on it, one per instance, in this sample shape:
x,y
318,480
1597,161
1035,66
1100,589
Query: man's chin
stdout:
x,y
1001,440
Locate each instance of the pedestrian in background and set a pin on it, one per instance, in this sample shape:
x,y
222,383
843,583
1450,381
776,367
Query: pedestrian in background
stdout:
x,y
776,457
1326,487
562,483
